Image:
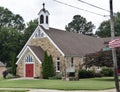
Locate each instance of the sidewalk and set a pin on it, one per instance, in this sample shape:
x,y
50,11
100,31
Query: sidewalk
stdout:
x,y
47,90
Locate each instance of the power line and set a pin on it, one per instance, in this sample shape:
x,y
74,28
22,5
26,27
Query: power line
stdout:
x,y
93,5
79,8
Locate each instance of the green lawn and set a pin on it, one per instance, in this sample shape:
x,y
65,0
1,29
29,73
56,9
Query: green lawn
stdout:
x,y
82,84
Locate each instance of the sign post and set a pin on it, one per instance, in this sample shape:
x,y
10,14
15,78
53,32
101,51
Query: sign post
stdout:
x,y
113,49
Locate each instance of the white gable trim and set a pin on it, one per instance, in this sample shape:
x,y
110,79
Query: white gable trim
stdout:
x,y
52,42
31,52
22,51
26,43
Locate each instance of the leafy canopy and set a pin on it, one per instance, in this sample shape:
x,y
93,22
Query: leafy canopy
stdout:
x,y
8,19
11,27
79,24
104,28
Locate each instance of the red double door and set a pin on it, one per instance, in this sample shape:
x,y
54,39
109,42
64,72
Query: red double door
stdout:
x,y
29,70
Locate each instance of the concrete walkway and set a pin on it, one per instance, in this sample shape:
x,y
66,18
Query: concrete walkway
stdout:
x,y
47,90
44,90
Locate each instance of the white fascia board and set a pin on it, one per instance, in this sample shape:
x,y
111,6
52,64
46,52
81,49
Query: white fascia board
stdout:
x,y
21,56
26,43
52,42
30,51
22,51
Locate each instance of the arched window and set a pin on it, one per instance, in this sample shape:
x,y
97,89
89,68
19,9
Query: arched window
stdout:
x,y
29,58
41,19
46,19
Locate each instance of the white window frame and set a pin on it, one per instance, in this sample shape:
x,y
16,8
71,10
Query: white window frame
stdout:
x,y
29,59
57,61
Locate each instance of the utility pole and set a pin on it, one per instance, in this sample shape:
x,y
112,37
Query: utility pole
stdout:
x,y
113,49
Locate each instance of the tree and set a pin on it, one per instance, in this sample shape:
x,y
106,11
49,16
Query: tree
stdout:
x,y
30,29
51,67
102,58
10,42
8,19
13,63
99,59
11,34
80,25
47,66
104,28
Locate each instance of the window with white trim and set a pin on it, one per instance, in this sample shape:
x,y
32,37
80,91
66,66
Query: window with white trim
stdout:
x,y
39,34
46,19
57,64
29,58
41,19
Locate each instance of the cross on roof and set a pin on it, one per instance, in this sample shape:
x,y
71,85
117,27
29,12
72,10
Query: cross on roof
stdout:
x,y
43,5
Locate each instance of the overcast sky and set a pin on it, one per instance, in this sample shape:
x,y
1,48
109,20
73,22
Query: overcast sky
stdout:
x,y
60,15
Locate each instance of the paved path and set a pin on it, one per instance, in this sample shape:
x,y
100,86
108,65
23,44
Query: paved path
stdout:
x,y
43,90
47,90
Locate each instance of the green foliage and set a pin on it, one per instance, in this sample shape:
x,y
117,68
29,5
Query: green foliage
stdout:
x,y
104,28
13,35
11,27
57,76
9,76
8,19
99,59
86,73
14,64
80,25
51,67
107,71
29,30
102,58
10,42
47,66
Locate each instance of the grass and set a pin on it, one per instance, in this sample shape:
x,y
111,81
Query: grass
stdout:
x,y
82,84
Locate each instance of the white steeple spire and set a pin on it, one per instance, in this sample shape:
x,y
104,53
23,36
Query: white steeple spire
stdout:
x,y
43,17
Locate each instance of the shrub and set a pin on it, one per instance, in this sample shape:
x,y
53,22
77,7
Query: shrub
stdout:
x,y
47,66
58,76
86,73
98,75
9,76
107,71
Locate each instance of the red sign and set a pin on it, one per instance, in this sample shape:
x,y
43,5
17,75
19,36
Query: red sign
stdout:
x,y
114,43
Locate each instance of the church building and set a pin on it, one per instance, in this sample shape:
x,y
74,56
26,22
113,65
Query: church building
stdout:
x,y
68,49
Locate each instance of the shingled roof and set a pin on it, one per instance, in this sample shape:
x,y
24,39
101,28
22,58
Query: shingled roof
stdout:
x,y
38,52
73,44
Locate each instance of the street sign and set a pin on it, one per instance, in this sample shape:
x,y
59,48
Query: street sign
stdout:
x,y
106,49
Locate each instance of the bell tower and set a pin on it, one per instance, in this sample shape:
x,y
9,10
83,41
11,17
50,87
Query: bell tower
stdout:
x,y
43,17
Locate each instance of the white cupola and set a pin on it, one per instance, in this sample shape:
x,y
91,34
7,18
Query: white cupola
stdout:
x,y
43,17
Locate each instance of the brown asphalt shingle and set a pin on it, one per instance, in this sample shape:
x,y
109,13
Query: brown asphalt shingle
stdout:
x,y
38,52
73,44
